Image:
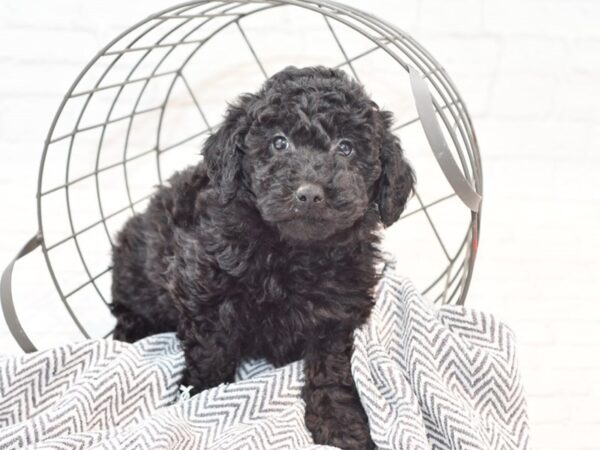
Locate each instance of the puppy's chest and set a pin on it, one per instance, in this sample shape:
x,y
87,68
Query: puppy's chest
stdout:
x,y
303,291
283,309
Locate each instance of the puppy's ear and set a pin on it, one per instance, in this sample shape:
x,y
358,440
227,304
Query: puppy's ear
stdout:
x,y
397,179
223,149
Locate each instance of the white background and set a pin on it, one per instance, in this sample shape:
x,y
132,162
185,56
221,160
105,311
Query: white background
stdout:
x,y
530,73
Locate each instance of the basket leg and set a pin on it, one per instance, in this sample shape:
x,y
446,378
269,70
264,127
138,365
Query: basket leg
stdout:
x,y
6,298
435,137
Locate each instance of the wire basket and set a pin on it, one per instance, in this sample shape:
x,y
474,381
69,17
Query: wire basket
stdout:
x,y
143,106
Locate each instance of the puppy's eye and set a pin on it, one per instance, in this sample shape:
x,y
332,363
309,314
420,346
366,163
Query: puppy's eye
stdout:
x,y
344,148
280,143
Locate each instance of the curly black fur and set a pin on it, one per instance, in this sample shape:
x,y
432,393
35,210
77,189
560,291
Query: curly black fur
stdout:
x,y
230,257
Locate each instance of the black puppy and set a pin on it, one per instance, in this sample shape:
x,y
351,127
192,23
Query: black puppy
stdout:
x,y
268,248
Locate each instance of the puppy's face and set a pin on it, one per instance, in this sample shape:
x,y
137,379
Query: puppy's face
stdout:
x,y
312,163
313,154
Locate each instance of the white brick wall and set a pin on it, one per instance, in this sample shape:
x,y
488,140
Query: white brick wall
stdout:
x,y
529,71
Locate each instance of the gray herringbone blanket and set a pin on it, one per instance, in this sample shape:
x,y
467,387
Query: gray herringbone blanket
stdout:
x,y
428,378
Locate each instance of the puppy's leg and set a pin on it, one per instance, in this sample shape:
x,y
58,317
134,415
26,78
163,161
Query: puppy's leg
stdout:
x,y
210,353
136,297
334,414
130,327
131,289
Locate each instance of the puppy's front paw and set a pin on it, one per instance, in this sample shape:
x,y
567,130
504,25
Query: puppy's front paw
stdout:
x,y
345,427
334,414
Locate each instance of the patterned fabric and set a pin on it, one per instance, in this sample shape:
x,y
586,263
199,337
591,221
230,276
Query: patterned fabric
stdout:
x,y
428,378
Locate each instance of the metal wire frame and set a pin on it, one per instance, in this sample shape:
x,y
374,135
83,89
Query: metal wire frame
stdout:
x,y
402,48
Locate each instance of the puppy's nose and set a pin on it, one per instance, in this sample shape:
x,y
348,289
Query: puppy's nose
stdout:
x,y
309,194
